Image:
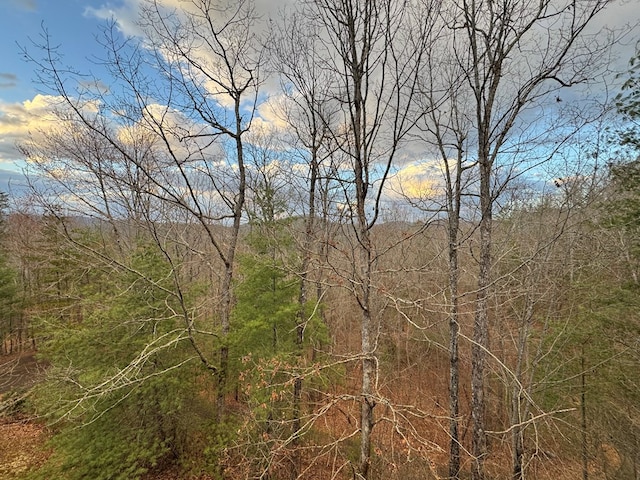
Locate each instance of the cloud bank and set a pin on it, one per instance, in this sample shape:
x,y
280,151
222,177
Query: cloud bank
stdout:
x,y
19,120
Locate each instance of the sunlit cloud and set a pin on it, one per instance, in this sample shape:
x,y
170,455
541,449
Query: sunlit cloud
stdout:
x,y
271,114
161,127
19,120
416,181
25,121
261,131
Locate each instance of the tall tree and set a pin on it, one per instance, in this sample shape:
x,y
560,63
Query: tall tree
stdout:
x,y
162,151
372,52
445,129
8,290
490,42
307,113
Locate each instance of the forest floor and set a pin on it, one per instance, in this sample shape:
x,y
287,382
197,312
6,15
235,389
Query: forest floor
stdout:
x,y
22,447
19,371
22,441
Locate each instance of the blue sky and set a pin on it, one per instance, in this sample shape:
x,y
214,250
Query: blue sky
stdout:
x,y
74,24
69,23
73,27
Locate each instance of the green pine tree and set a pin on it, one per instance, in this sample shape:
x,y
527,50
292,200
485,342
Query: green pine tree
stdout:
x,y
123,392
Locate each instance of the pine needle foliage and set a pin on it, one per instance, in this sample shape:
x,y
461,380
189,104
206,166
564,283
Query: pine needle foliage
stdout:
x,y
123,394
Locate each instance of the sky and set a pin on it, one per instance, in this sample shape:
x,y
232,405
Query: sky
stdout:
x,y
74,26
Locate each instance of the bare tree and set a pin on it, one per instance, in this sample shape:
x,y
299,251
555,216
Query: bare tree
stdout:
x,y
446,130
307,111
514,59
163,147
372,52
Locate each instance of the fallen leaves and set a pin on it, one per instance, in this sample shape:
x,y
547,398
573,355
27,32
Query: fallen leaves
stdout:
x,y
22,447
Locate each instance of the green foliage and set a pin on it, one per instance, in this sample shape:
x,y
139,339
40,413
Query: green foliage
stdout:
x,y
266,311
628,104
131,434
613,364
264,317
598,343
624,204
12,331
267,354
119,402
622,214
4,205
10,300
9,297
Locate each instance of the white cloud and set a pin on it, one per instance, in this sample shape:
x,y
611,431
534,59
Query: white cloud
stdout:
x,y
19,120
417,180
125,15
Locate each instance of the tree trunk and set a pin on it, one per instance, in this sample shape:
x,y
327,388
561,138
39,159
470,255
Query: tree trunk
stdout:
x,y
517,436
367,404
454,367
583,414
367,346
223,369
481,327
301,315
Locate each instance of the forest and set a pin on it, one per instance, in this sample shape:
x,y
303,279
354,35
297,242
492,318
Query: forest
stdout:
x,y
392,239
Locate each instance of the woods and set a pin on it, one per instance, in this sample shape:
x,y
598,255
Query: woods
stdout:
x,y
368,240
